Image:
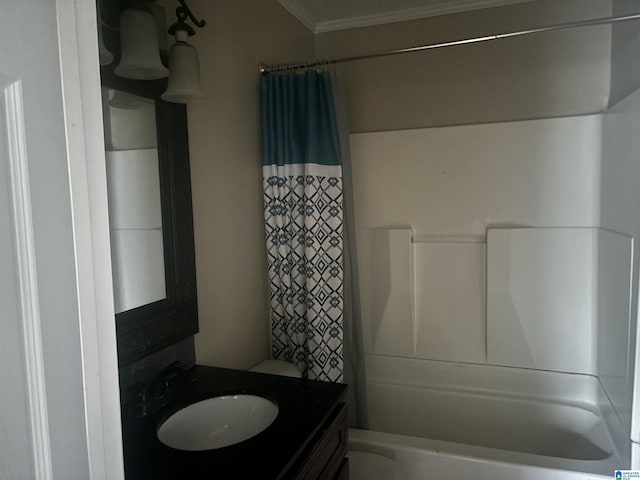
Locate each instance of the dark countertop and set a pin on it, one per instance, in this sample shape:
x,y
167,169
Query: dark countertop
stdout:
x,y
304,406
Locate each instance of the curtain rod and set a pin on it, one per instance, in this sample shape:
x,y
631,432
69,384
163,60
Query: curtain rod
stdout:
x,y
265,69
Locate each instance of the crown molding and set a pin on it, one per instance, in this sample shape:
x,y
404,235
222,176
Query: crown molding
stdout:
x,y
434,8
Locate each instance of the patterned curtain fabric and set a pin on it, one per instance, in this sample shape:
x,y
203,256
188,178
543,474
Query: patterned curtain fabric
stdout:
x,y
303,208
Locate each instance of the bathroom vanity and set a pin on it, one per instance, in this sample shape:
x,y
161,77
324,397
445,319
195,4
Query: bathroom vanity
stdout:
x,y
307,440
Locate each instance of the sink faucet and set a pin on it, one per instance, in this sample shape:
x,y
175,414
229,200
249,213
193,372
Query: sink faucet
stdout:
x,y
149,398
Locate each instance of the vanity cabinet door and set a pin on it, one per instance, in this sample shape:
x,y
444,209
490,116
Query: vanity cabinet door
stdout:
x,y
326,458
343,473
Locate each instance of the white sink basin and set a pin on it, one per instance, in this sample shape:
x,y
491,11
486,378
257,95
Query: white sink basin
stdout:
x,y
217,422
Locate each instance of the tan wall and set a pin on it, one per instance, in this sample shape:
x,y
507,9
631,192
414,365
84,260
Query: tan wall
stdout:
x,y
625,51
224,144
538,76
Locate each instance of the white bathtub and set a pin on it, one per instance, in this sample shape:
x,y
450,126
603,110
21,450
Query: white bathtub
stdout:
x,y
445,420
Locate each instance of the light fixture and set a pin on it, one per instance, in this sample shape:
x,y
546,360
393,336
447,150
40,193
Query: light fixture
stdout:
x,y
140,53
184,81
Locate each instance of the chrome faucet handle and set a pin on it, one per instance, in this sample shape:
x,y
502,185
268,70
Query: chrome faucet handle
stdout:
x,y
162,380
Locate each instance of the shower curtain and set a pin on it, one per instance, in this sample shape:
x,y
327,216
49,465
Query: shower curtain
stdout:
x,y
302,181
308,209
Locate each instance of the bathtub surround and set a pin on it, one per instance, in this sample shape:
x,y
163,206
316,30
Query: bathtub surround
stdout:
x,y
557,206
449,184
558,299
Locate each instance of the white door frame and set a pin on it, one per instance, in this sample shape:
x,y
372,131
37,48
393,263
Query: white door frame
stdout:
x,y
80,72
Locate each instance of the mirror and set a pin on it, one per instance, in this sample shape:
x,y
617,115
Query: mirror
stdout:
x,y
150,216
133,188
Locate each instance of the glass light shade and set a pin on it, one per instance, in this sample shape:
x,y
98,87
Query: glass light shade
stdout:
x,y
140,54
184,81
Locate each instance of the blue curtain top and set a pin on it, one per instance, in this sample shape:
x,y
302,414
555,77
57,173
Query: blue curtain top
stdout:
x,y
298,119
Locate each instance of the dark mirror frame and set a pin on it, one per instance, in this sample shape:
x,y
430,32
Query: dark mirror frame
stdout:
x,y
152,327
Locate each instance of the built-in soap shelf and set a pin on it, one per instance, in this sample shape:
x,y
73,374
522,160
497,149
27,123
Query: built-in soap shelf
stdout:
x,y
448,239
